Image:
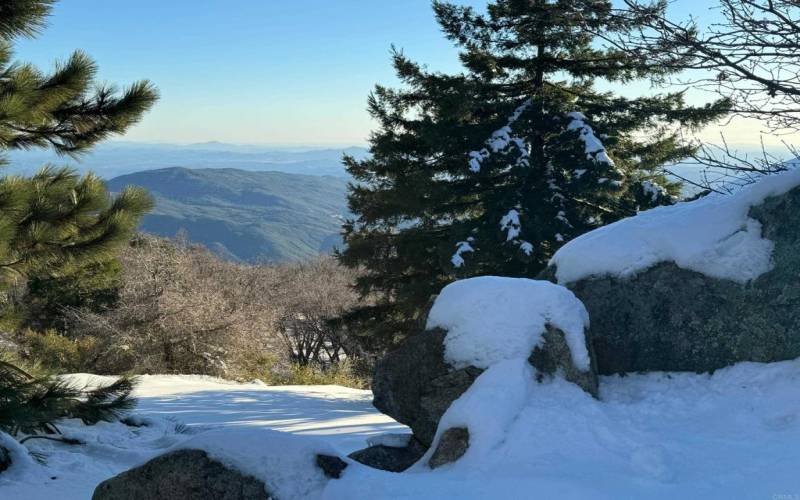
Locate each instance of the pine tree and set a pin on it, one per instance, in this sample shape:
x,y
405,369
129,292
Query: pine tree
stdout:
x,y
52,294
491,170
56,222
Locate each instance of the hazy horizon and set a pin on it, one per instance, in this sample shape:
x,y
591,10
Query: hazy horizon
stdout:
x,y
248,73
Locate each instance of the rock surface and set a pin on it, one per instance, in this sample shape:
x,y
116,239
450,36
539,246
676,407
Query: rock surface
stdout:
x,y
390,458
5,459
181,475
673,319
415,386
452,446
331,466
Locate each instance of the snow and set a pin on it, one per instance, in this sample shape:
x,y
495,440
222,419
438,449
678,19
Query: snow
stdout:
x,y
177,408
733,434
392,440
489,319
462,247
592,145
286,464
713,236
487,409
500,139
654,190
22,464
510,223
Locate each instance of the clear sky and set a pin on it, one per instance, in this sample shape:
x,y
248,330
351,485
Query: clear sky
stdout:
x,y
258,71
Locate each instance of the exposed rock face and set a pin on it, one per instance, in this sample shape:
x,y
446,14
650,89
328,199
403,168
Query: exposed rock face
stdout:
x,y
181,475
668,318
415,386
390,458
452,446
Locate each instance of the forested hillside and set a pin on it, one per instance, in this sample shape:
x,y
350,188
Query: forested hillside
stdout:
x,y
244,215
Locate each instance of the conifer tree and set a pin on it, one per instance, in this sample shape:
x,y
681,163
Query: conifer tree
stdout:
x,y
56,222
491,170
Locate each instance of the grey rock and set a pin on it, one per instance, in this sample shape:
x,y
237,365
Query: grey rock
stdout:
x,y
390,458
5,459
673,319
415,386
554,356
181,475
331,466
452,445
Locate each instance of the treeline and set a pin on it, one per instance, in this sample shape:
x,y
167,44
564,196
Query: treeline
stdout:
x,y
168,306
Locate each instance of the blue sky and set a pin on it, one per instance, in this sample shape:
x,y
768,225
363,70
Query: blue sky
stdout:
x,y
254,71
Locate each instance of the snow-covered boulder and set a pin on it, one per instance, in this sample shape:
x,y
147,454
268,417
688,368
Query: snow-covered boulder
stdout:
x,y
695,286
472,325
183,475
231,464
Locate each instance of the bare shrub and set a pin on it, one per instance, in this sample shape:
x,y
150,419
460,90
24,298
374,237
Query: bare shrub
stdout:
x,y
181,309
310,298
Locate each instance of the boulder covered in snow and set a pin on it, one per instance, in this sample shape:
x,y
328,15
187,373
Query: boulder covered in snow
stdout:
x,y
182,475
473,324
231,464
695,286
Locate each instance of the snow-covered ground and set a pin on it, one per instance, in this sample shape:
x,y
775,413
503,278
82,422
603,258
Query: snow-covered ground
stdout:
x,y
342,417
734,434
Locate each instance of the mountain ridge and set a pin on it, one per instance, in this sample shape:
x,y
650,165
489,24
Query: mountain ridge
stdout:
x,y
245,215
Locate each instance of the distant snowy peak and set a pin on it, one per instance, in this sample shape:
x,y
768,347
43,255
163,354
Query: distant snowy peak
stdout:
x,y
491,319
713,235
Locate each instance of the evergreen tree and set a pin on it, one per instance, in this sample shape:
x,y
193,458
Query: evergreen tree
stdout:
x,y
56,222
491,170
51,294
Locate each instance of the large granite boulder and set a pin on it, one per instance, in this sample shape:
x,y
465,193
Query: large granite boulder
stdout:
x,y
415,385
182,475
674,319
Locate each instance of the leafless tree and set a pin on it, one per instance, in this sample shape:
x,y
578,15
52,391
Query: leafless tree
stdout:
x,y
751,57
312,297
184,310
181,309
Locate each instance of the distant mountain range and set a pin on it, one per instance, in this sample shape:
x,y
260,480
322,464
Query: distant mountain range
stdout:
x,y
245,215
112,159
